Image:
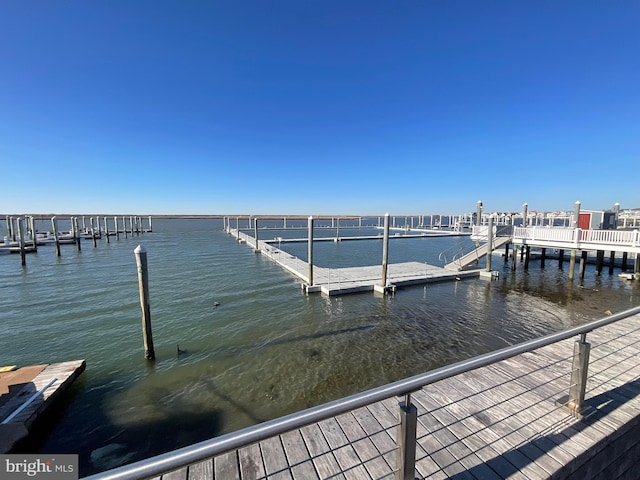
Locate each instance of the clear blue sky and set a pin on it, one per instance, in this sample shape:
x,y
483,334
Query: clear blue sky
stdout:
x,y
318,107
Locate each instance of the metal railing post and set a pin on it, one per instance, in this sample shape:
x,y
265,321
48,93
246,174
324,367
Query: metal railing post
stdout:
x,y
574,402
406,461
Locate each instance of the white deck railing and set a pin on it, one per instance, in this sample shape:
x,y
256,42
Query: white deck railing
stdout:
x,y
560,237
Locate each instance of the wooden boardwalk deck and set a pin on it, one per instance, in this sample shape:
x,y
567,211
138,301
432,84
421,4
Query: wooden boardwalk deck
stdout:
x,y
340,281
496,422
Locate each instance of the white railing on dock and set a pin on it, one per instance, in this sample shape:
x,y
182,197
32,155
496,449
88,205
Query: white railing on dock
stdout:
x,y
577,238
406,439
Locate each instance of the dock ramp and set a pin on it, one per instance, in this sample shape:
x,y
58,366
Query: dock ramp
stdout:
x,y
481,251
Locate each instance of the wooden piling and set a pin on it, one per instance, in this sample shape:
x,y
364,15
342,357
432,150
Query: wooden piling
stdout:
x,y
599,262
93,232
106,228
514,257
115,226
560,258
527,256
583,264
21,227
54,227
624,261
310,249
385,251
255,233
75,233
489,244
143,286
32,227
612,261
124,226
543,257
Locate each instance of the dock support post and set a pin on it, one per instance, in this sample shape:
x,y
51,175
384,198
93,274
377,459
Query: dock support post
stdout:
x,y
583,264
514,257
506,252
543,257
560,258
624,261
106,228
385,251
20,225
54,227
599,261
9,227
574,402
572,263
115,226
124,226
32,227
255,232
93,232
310,249
527,256
143,286
75,233
337,229
150,226
612,261
575,224
406,459
489,243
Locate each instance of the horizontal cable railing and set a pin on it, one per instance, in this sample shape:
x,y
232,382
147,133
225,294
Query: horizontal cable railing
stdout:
x,y
210,448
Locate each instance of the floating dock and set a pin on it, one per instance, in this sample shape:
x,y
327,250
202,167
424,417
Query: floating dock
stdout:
x,y
341,281
26,393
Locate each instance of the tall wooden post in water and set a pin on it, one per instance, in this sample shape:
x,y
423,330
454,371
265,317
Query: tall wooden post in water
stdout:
x,y
21,227
310,249
255,233
75,233
54,227
143,286
385,251
489,243
575,224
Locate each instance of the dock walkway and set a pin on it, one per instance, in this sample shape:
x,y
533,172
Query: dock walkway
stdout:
x,y
500,421
26,393
340,281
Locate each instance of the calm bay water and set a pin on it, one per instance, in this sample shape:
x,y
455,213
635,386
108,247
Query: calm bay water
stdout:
x,y
267,349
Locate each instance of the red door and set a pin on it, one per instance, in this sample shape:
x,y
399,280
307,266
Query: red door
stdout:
x,y
584,221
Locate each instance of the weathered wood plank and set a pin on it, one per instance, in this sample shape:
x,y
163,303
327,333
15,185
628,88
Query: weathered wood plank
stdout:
x,y
251,465
298,456
323,458
369,455
180,474
345,454
226,466
275,461
202,470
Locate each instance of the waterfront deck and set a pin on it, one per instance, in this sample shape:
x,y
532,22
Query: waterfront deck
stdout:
x,y
26,393
495,422
340,281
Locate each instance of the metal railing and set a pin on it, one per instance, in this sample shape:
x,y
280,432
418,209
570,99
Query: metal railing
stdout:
x,y
403,388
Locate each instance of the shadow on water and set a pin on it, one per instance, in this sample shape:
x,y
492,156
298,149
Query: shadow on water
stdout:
x,y
230,351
